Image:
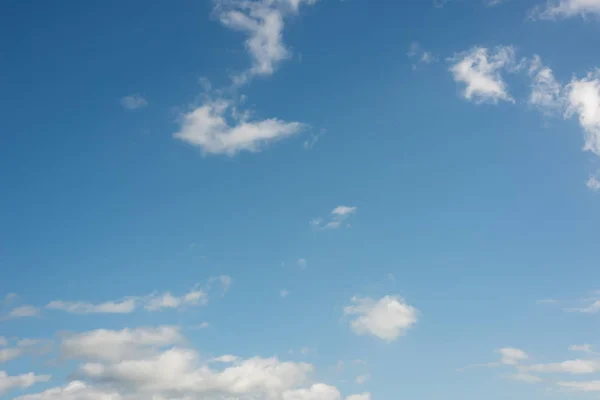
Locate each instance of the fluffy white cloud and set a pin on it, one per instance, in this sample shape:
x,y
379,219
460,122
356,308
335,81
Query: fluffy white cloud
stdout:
x,y
110,345
593,183
80,307
512,356
566,8
526,377
586,386
263,21
570,367
317,391
546,91
24,311
23,381
479,70
583,97
207,128
387,318
336,218
133,102
585,348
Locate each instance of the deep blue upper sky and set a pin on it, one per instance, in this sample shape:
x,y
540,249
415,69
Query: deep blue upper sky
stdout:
x,y
124,176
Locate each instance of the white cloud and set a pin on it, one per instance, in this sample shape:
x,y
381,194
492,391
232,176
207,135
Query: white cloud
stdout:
x,y
361,379
301,262
587,386
583,97
28,342
570,367
585,348
362,396
110,345
420,55
167,300
226,359
318,391
24,311
336,218
207,127
593,183
526,377
546,92
75,390
512,356
9,354
284,293
3,341
387,318
8,383
263,22
80,307
133,102
479,70
591,309
566,8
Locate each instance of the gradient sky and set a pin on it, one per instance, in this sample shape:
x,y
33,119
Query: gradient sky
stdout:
x,y
299,200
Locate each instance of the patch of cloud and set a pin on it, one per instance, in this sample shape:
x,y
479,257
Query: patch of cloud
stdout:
x,y
167,300
24,312
361,396
585,386
419,55
80,307
337,218
593,184
133,102
512,356
583,101
547,301
24,381
526,377
574,367
546,92
9,354
554,9
111,345
263,22
207,127
284,293
387,318
479,69
361,379
318,391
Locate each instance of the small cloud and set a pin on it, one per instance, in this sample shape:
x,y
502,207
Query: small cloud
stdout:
x,y
133,102
3,341
10,297
24,311
421,56
301,262
284,293
546,301
225,359
224,280
387,318
512,356
28,342
390,277
80,307
362,379
314,138
337,217
583,348
305,350
593,184
526,377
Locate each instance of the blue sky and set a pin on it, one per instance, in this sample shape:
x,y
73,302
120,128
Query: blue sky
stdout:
x,y
300,200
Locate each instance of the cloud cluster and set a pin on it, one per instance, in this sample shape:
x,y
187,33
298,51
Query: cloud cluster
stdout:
x,y
566,8
147,363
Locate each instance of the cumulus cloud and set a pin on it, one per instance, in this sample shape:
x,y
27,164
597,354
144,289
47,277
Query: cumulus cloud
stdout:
x,y
362,396
133,102
207,127
24,381
317,391
337,217
593,183
387,318
75,390
480,72
81,307
24,311
111,345
566,8
512,356
263,22
583,101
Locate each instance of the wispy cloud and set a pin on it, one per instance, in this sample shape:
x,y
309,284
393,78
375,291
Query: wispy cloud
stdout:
x,y
337,218
554,9
133,102
24,312
80,307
